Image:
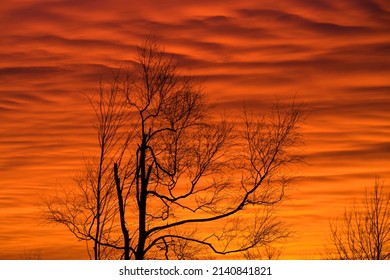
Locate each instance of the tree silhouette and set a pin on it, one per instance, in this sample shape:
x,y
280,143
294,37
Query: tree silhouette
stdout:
x,y
267,252
364,231
179,183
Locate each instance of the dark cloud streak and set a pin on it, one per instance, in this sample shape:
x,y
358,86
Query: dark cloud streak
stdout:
x,y
335,55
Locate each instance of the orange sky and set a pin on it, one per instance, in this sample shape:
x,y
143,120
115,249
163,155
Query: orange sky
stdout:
x,y
333,55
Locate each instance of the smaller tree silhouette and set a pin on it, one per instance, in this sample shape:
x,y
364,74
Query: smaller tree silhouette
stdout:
x,y
363,233
33,254
265,252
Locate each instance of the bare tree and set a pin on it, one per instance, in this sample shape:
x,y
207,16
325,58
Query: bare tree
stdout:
x,y
265,252
183,179
364,231
34,254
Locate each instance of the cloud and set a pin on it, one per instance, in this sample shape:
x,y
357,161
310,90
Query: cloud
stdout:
x,y
332,54
364,154
299,23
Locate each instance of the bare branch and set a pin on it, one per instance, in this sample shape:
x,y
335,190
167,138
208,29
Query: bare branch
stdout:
x,y
364,231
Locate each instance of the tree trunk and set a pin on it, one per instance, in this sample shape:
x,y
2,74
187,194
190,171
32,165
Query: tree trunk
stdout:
x,y
126,238
142,179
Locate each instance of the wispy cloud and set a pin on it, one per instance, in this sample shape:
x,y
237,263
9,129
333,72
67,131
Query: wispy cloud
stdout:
x,y
334,55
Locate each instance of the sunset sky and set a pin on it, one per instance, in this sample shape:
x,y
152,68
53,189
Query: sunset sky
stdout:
x,y
332,55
